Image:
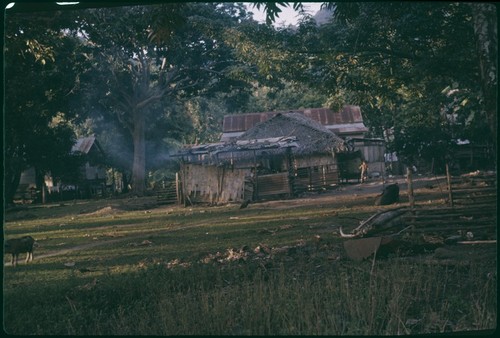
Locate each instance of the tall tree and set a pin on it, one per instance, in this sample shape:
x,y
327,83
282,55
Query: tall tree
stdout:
x,y
485,17
146,57
37,116
399,61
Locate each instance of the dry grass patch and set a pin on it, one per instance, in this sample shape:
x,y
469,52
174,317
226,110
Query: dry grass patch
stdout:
x,y
221,270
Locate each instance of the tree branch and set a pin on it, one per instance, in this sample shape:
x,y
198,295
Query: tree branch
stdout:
x,y
159,93
361,53
212,71
178,85
125,122
171,75
127,98
150,99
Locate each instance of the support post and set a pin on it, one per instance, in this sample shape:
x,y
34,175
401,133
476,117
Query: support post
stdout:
x,y
448,180
289,164
409,180
177,192
256,181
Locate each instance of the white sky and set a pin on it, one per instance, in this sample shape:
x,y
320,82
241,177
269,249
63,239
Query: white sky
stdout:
x,y
288,16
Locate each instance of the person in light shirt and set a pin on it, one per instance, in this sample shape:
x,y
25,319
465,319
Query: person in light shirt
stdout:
x,y
364,171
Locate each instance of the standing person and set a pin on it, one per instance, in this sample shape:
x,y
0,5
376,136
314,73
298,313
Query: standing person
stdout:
x,y
364,171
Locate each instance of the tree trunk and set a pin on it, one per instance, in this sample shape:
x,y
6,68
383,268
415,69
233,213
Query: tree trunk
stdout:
x,y
125,183
40,184
139,165
485,29
12,179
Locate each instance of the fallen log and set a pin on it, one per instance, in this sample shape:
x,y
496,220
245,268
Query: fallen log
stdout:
x,y
467,207
490,241
464,216
380,221
475,189
472,222
450,228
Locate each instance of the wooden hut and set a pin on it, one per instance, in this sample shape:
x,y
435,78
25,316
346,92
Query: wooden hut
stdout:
x,y
310,166
91,181
282,156
93,172
346,123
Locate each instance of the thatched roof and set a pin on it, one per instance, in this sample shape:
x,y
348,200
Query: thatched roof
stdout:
x,y
312,137
236,150
294,131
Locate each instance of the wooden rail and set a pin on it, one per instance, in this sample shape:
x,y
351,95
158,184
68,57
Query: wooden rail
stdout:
x,y
472,202
168,193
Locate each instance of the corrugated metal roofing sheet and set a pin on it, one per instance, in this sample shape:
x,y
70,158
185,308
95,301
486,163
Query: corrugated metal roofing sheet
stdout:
x,y
240,145
325,116
83,145
348,128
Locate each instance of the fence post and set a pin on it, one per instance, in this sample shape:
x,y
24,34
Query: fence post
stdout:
x,y
289,163
409,180
256,182
177,192
448,180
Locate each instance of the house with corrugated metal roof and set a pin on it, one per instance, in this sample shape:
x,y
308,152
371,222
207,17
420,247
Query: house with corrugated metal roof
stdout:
x,y
347,124
93,173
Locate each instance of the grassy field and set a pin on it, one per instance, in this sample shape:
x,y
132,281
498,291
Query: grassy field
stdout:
x,y
129,267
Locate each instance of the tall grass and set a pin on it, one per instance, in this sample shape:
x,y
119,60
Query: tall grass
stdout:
x,y
133,289
299,297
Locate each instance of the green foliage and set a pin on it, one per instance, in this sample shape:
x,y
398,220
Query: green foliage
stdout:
x,y
288,96
273,9
38,116
150,70
178,68
394,60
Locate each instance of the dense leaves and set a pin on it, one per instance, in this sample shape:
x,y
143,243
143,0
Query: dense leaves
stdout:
x,y
143,74
412,67
40,77
146,79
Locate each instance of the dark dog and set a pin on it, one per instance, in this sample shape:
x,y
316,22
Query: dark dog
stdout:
x,y
389,195
15,246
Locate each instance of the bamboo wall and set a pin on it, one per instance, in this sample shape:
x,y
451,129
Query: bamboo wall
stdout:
x,y
314,161
213,184
218,184
272,185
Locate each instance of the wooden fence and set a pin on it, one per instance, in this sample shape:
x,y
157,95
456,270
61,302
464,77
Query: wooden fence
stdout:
x,y
315,181
472,208
476,189
308,180
272,185
168,192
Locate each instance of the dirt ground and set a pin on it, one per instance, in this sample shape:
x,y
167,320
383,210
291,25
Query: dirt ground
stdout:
x,y
425,187
426,190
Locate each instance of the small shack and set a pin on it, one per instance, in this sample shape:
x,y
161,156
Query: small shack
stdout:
x,y
283,156
312,165
93,173
91,182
